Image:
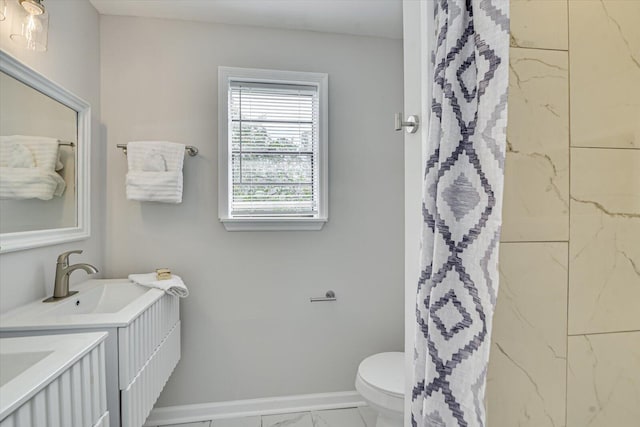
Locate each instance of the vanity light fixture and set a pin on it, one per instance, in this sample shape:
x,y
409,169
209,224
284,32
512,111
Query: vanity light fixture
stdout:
x,y
33,7
31,25
3,10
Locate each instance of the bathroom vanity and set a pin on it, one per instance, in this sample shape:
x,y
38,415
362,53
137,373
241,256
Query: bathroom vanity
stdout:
x,y
56,381
142,347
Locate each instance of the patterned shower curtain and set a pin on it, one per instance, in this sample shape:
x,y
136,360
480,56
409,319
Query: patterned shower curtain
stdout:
x,y
462,204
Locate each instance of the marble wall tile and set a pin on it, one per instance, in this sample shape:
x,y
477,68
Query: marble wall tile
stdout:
x,y
605,73
298,419
536,195
527,367
539,24
604,279
349,417
604,380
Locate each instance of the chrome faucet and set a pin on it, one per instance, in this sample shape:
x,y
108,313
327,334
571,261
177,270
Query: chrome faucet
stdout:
x,y
63,271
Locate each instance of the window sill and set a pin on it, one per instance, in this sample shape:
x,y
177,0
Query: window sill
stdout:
x,y
273,224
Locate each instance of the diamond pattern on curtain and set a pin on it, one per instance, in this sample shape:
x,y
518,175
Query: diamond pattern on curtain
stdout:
x,y
462,204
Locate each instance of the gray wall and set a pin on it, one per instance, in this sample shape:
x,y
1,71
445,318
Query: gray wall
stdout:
x,y
73,61
248,327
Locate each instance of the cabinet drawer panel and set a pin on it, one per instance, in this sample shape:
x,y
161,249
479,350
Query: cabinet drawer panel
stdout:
x,y
141,338
138,398
103,421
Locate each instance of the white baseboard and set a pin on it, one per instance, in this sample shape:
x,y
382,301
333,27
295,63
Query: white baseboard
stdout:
x,y
252,407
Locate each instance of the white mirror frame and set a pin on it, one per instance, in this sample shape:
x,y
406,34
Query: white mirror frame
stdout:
x,y
10,242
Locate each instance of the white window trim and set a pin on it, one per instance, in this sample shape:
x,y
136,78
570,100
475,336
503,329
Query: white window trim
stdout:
x,y
225,76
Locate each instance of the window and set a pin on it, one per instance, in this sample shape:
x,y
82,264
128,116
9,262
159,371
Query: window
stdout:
x,y
272,149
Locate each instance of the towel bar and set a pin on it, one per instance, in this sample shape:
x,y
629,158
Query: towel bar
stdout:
x,y
329,296
190,149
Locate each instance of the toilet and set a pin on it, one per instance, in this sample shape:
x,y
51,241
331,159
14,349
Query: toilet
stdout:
x,y
380,381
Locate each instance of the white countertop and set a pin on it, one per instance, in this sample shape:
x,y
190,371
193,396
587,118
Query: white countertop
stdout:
x,y
43,316
44,358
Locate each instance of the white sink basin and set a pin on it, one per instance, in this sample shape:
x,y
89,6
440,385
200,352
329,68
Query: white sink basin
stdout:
x,y
28,364
13,364
105,298
98,303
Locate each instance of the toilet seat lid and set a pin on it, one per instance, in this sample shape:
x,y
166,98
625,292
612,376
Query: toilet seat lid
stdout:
x,y
384,371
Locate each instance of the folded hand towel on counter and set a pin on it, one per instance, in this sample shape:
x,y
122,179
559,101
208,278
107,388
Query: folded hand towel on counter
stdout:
x,y
174,286
155,171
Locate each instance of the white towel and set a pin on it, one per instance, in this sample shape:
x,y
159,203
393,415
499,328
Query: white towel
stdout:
x,y
174,286
163,187
20,157
154,162
44,149
155,171
30,183
28,168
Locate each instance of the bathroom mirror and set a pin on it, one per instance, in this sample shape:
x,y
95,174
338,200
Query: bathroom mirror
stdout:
x,y
44,160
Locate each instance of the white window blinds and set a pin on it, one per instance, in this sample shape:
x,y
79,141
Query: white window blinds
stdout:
x,y
273,133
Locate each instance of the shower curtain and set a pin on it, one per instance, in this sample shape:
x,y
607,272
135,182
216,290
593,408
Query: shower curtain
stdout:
x,y
462,203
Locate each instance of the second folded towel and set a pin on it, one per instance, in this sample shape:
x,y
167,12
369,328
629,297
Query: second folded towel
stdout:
x,y
155,171
174,286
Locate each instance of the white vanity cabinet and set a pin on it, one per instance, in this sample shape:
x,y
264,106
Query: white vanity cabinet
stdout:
x,y
148,350
53,381
142,347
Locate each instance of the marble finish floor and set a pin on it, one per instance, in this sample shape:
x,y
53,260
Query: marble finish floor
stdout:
x,y
350,417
